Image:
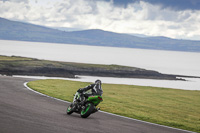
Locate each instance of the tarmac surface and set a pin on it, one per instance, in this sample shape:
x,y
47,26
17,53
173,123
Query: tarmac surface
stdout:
x,y
23,111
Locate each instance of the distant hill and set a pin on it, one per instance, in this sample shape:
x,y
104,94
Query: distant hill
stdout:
x,y
13,30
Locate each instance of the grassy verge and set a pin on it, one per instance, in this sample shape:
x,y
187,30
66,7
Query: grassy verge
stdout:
x,y
171,107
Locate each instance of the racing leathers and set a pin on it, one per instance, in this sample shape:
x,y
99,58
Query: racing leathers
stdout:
x,y
92,89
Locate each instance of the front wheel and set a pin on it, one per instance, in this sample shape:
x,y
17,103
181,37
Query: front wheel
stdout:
x,y
70,109
89,107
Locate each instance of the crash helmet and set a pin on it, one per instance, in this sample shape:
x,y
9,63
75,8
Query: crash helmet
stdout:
x,y
97,87
98,81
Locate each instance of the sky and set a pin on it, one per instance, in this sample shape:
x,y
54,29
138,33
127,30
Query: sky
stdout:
x,y
178,19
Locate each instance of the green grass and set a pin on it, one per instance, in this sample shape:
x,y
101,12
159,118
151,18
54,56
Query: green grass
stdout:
x,y
170,107
13,58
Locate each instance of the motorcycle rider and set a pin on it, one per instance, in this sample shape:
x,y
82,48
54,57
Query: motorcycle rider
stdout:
x,y
95,89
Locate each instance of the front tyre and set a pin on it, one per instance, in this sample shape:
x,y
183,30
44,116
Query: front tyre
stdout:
x,y
69,110
89,107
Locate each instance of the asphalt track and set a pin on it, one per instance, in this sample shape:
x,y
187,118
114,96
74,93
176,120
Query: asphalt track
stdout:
x,y
23,111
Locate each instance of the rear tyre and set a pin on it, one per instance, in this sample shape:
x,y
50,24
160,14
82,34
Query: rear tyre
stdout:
x,y
89,107
69,110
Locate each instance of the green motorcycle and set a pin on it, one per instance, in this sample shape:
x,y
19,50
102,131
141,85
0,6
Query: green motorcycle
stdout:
x,y
85,107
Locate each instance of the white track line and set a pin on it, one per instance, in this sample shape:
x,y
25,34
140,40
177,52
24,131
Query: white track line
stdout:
x,y
25,84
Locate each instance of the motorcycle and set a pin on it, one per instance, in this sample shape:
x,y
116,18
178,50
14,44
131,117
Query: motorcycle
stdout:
x,y
86,106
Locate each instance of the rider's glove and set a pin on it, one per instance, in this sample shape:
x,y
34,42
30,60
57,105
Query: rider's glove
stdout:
x,y
80,90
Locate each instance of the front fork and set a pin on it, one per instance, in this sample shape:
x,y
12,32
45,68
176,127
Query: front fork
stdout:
x,y
78,101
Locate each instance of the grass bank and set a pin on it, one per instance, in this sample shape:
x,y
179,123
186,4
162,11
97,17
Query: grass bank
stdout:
x,y
170,107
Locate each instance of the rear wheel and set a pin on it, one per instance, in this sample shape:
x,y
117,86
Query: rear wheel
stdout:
x,y
70,109
89,107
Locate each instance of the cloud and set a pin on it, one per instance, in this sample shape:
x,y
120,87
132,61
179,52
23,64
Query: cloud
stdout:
x,y
25,1
177,4
13,9
173,4
136,17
